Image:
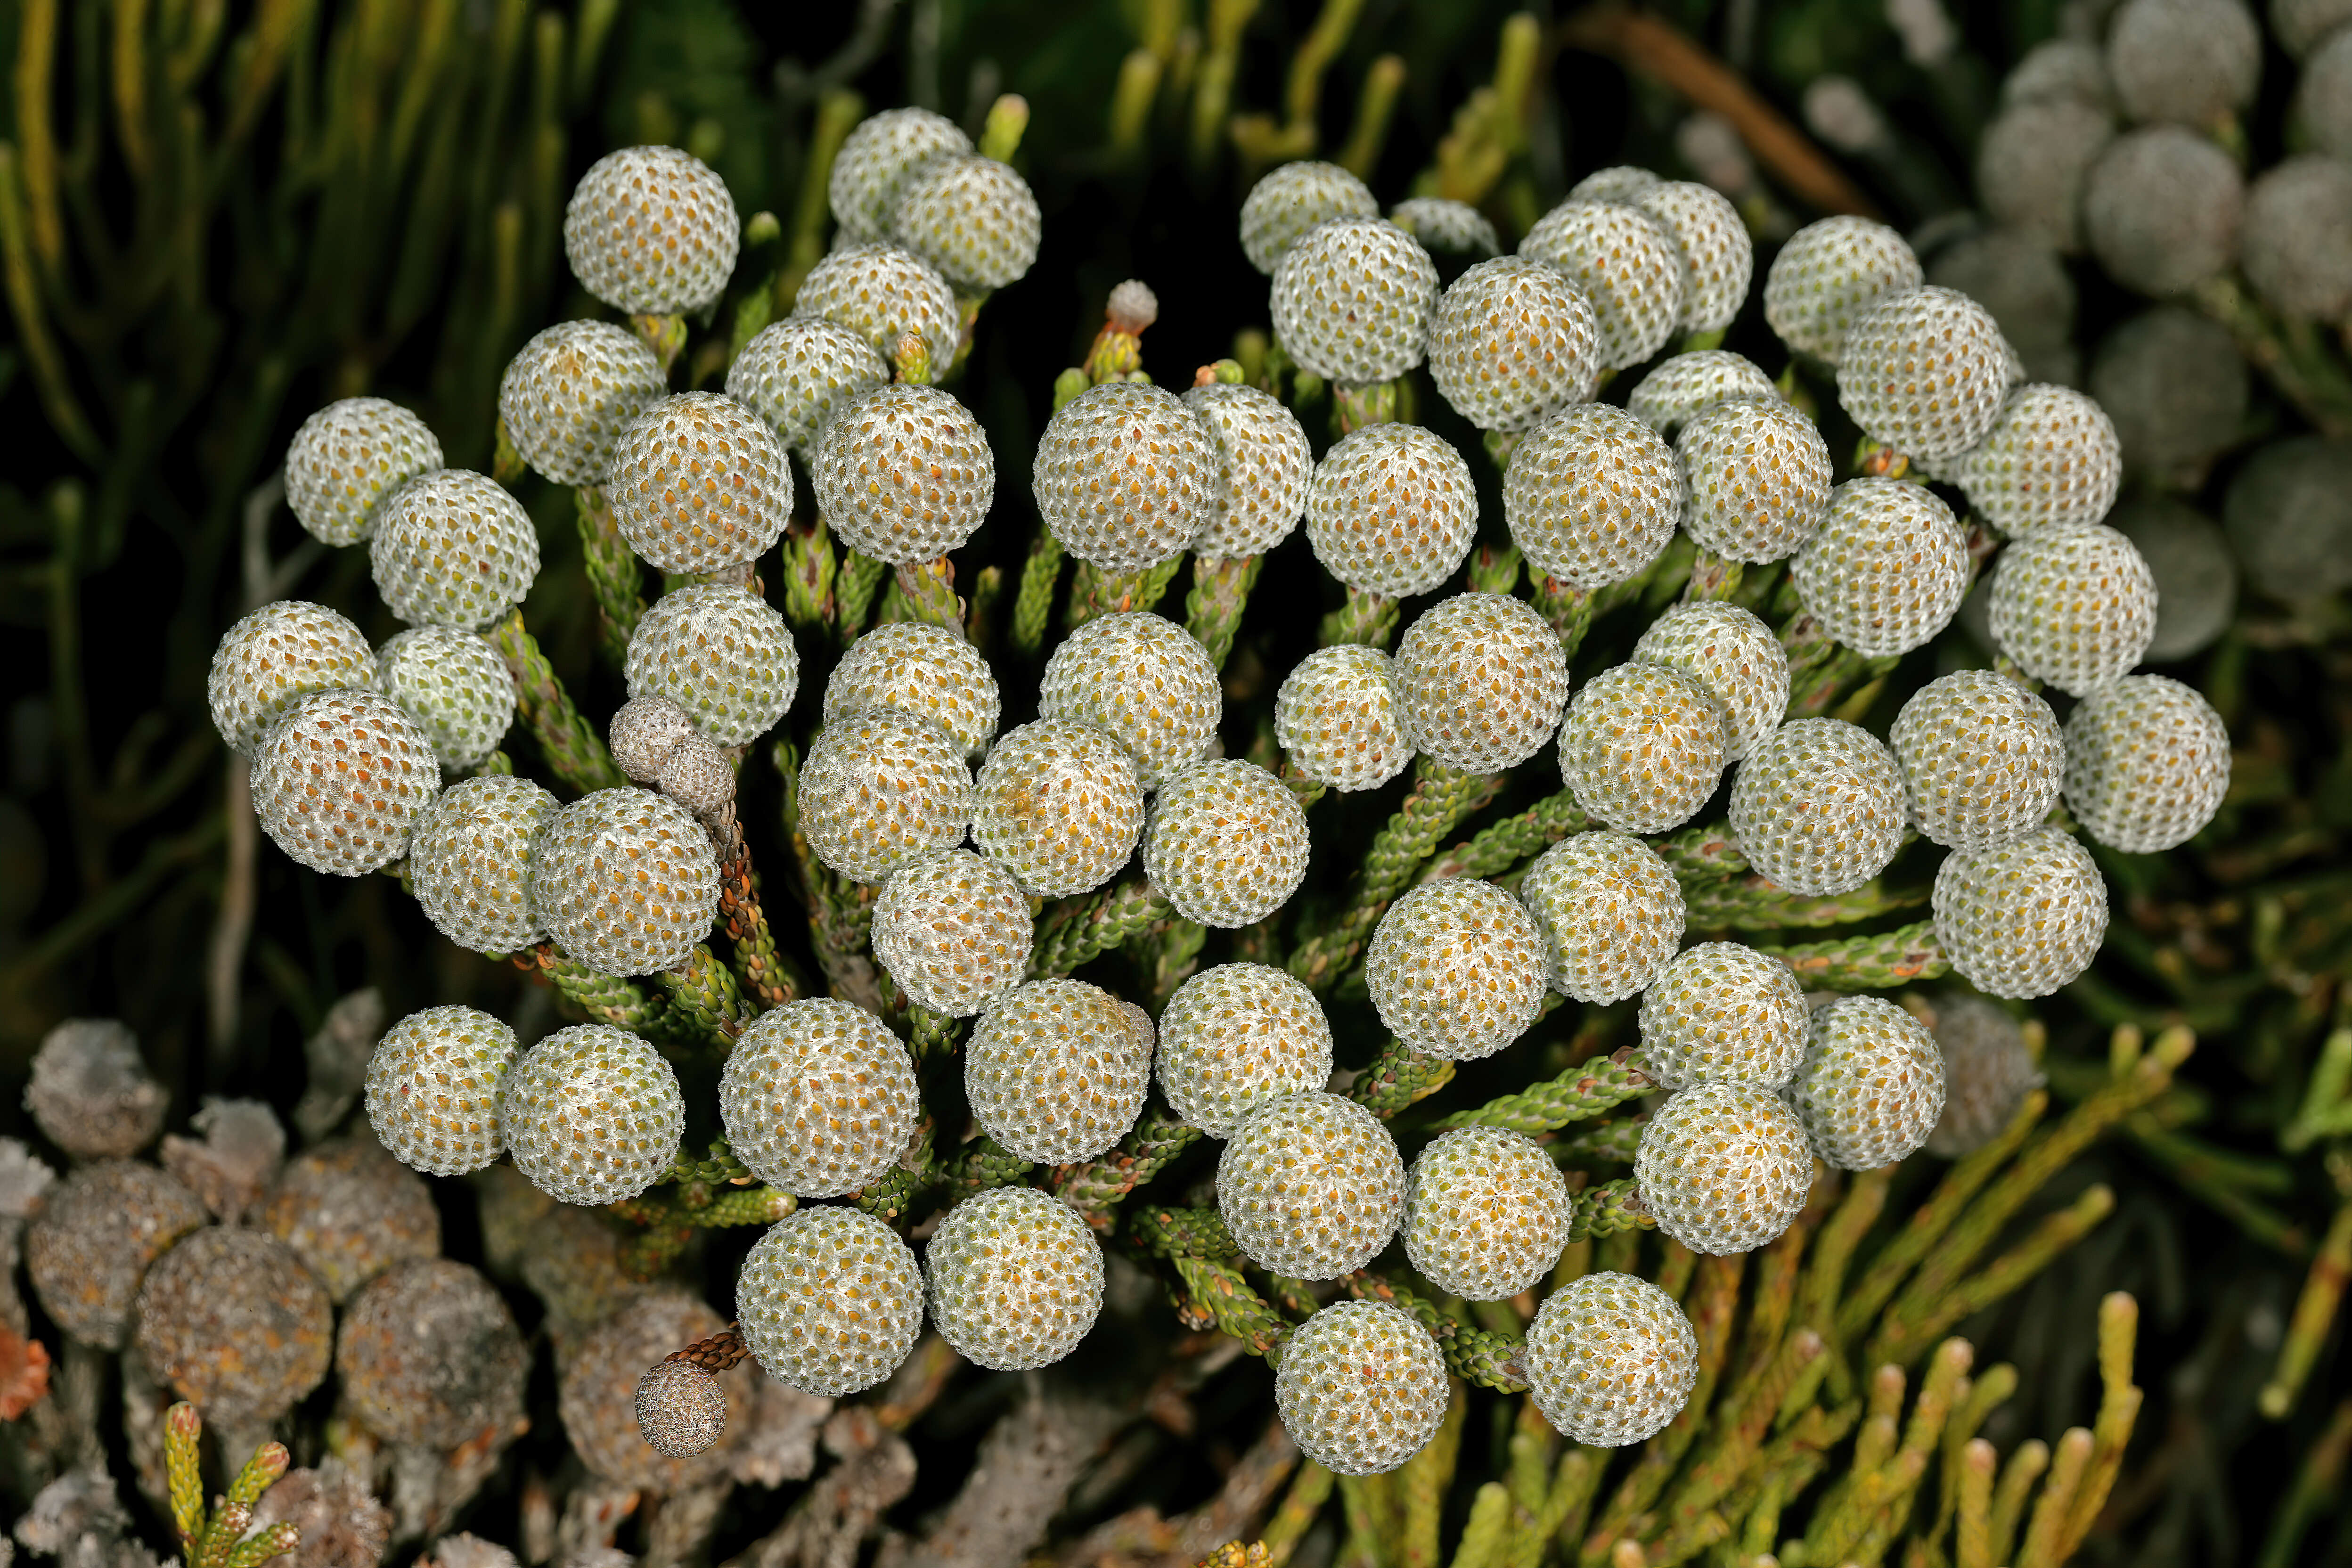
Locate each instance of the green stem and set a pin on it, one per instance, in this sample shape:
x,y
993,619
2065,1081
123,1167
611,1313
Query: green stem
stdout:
x,y
1440,799
572,749
1580,1093
614,575
1213,607
1859,963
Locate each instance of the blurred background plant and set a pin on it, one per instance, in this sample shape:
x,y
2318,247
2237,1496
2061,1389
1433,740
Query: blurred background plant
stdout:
x,y
215,218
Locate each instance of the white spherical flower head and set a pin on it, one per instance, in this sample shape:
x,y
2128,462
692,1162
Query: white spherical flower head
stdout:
x,y
972,218
1361,1387
700,483
1872,1084
1056,1070
954,930
1145,680
1337,717
347,457
1480,681
1722,1012
1611,1359
566,398
818,1098
905,474
1642,748
1234,1037
453,549
469,860
879,789
1016,1279
1718,256
454,685
1687,385
1981,759
1724,1167
1446,226
1293,198
883,293
274,656
1058,804
1391,510
1626,262
1735,659
1925,372
924,671
1886,569
2053,456
1512,342
1456,969
592,1114
2074,605
1257,487
1124,475
1486,1213
878,157
1311,1187
1818,807
1827,275
1592,496
1226,842
830,1302
1611,913
1618,183
797,373
1352,301
433,1086
2147,761
652,231
341,780
1757,475
722,654
2023,919
625,881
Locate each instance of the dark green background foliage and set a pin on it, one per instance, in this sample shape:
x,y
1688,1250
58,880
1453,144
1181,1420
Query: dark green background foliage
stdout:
x,y
387,219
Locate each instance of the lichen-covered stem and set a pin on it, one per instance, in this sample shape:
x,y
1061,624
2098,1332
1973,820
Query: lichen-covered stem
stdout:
x,y
573,750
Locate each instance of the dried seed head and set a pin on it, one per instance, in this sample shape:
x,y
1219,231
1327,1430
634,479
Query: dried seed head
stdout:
x,y
90,1093
429,1355
234,1323
2162,208
98,1229
1988,1073
350,1211
681,1410
596,1394
1611,913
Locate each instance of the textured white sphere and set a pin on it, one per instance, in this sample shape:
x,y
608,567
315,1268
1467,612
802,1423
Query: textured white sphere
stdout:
x,y
722,654
830,1300
1724,1167
469,862
1391,510
1486,1213
954,930
625,881
923,670
433,1087
453,549
1611,913
1455,969
818,1098
1591,495
879,789
651,230
1336,716
1145,680
1226,842
1872,1084
1311,1187
1981,759
347,457
1611,1359
1480,681
1016,1279
1056,1070
1642,748
1257,487
1722,1012
592,1114
1734,658
454,685
571,391
1352,300
1236,1036
1361,1387
2021,919
2147,761
274,656
1817,809
341,780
